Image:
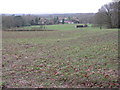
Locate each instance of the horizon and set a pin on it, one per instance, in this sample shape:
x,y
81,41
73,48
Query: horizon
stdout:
x,y
51,6
42,13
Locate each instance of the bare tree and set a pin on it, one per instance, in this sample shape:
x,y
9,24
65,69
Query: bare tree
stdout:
x,y
8,21
108,15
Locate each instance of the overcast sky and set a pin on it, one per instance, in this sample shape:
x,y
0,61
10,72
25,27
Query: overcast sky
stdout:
x,y
50,6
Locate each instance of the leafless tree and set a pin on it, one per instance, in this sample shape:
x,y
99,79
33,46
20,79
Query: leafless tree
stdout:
x,y
108,15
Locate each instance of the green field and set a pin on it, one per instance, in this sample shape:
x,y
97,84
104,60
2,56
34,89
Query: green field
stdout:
x,y
56,27
66,57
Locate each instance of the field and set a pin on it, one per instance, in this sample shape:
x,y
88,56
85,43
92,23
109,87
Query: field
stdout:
x,y
64,58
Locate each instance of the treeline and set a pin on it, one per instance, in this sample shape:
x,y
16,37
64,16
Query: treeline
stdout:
x,y
11,21
108,15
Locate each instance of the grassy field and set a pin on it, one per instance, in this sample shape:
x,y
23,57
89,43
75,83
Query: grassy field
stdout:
x,y
54,27
65,58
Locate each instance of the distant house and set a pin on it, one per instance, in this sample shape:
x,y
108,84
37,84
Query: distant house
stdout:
x,y
60,21
69,22
42,21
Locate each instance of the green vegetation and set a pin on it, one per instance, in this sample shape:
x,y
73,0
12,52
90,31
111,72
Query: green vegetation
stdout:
x,y
63,27
57,27
65,57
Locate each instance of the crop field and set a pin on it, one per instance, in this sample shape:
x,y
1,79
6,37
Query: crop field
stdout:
x,y
66,57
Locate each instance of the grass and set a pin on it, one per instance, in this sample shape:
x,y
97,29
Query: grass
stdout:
x,y
55,27
66,57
